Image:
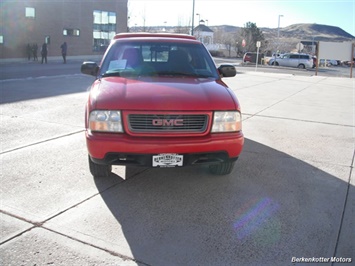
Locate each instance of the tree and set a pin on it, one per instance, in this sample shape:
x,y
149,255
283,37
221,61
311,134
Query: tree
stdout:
x,y
229,41
182,26
251,34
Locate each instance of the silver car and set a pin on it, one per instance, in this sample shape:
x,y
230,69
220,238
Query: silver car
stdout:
x,y
293,60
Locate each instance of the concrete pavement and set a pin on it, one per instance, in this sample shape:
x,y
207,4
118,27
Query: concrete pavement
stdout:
x,y
290,199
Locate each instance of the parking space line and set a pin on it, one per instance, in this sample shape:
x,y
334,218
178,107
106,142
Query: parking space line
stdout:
x,y
43,141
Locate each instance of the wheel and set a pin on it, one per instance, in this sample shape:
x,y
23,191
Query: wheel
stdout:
x,y
301,66
222,168
99,170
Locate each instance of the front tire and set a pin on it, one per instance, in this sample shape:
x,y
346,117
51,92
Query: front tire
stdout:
x,y
99,170
222,168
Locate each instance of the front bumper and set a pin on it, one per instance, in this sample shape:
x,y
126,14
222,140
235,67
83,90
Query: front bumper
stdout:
x,y
146,159
122,149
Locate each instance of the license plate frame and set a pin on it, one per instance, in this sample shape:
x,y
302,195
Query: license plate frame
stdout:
x,y
167,160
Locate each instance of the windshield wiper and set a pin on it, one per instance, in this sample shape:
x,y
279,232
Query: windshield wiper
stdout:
x,y
111,74
176,73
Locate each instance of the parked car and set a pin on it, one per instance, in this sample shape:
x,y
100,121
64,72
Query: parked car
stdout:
x,y
250,57
333,62
328,62
349,63
267,58
314,61
158,100
293,60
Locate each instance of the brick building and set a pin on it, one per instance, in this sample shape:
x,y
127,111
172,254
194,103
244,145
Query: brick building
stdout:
x,y
86,26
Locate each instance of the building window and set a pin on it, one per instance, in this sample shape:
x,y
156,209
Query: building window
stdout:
x,y
30,12
104,29
1,39
71,32
47,39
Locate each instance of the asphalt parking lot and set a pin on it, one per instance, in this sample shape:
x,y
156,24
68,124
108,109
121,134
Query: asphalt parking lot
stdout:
x,y
289,201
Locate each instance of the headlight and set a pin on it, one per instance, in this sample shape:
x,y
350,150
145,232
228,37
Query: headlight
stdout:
x,y
107,121
227,122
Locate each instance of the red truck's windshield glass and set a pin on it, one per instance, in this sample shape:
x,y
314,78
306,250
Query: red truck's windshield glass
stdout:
x,y
154,58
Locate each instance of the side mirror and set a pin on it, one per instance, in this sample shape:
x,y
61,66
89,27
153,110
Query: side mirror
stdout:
x,y
227,70
89,68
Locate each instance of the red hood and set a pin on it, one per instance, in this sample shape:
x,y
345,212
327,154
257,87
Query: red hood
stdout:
x,y
161,93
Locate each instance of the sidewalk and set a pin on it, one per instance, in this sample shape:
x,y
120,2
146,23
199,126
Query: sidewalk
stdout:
x,y
95,58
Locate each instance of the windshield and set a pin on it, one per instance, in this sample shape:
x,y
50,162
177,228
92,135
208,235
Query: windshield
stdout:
x,y
138,58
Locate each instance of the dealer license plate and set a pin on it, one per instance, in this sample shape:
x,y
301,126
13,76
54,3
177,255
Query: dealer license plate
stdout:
x,y
167,160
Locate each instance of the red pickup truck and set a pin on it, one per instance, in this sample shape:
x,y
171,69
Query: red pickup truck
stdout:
x,y
158,101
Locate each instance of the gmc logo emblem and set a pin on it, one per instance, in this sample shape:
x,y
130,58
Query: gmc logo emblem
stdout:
x,y
168,122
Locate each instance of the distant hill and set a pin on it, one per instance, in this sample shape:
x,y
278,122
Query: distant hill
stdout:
x,y
315,32
301,31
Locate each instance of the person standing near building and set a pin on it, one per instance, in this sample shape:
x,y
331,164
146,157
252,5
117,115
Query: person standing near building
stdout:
x,y
44,52
35,51
64,52
29,51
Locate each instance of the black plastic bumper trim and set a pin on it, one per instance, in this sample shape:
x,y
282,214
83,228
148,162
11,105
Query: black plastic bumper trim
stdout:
x,y
146,159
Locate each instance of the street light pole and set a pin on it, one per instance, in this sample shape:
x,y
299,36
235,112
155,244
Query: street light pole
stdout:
x,y
278,27
193,16
278,38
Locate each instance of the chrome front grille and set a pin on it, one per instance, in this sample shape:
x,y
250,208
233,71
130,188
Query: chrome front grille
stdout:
x,y
162,123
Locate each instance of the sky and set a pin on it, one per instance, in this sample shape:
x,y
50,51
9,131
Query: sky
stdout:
x,y
265,13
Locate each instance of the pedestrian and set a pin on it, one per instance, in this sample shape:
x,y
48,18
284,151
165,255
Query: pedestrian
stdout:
x,y
35,51
64,52
44,51
29,51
